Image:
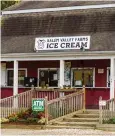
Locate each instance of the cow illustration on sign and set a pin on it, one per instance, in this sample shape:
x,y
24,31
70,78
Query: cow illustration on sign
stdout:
x,y
41,44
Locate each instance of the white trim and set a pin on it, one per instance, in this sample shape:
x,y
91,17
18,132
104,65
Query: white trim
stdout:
x,y
93,68
59,53
74,57
93,76
112,74
59,9
86,55
15,84
13,69
61,74
58,87
47,69
3,76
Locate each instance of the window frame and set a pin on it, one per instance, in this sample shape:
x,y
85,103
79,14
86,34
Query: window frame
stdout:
x,y
93,68
13,70
108,69
48,79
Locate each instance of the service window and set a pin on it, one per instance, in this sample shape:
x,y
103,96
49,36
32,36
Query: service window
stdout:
x,y
48,77
21,75
82,77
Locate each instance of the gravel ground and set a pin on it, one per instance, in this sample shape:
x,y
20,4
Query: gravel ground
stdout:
x,y
57,132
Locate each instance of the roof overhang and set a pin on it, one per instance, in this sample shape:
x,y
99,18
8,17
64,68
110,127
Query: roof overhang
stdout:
x,y
58,55
58,9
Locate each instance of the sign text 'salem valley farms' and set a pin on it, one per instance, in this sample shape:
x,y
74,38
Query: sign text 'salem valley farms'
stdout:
x,y
59,43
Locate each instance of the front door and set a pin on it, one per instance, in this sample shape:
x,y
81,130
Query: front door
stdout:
x,y
43,78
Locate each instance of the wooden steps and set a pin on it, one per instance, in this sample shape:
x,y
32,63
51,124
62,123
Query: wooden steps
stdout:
x,y
84,120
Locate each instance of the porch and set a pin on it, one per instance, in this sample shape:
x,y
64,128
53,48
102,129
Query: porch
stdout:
x,y
73,74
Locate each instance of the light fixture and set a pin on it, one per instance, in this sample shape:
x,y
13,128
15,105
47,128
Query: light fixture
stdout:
x,y
82,48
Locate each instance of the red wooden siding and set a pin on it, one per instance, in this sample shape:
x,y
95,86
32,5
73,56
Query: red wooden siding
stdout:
x,y
92,96
6,92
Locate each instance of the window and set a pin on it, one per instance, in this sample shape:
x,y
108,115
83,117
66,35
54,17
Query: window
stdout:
x,y
21,74
108,77
48,77
82,77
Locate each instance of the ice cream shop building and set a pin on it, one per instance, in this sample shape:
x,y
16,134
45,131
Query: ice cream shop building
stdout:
x,y
59,44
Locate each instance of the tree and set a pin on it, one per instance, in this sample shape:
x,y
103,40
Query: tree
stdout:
x,y
6,4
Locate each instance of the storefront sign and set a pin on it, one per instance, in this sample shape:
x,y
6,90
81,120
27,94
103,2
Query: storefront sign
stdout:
x,y
102,103
38,105
62,43
100,71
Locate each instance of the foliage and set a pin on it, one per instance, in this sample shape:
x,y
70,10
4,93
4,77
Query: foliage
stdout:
x,y
6,4
29,110
28,116
41,121
3,120
34,114
110,121
32,120
23,114
41,115
13,117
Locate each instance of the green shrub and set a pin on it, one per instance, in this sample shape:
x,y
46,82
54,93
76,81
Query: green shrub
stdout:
x,y
110,121
13,119
28,116
34,114
22,120
29,110
21,114
32,120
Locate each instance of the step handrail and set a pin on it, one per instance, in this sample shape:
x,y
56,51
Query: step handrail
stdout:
x,y
64,105
65,97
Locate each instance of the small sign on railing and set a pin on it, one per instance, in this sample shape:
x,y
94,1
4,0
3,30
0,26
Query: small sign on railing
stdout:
x,y
102,103
38,104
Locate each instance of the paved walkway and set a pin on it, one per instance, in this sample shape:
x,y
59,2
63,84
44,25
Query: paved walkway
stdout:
x,y
56,132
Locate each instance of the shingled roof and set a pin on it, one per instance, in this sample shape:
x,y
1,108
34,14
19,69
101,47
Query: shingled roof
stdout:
x,y
20,30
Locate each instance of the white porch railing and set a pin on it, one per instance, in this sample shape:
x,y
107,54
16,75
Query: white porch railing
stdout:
x,y
106,111
23,100
56,106
8,105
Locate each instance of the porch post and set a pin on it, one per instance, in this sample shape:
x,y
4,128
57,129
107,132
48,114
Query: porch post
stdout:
x,y
15,83
112,78
61,76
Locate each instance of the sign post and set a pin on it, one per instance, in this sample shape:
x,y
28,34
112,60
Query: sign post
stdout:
x,y
101,104
40,104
